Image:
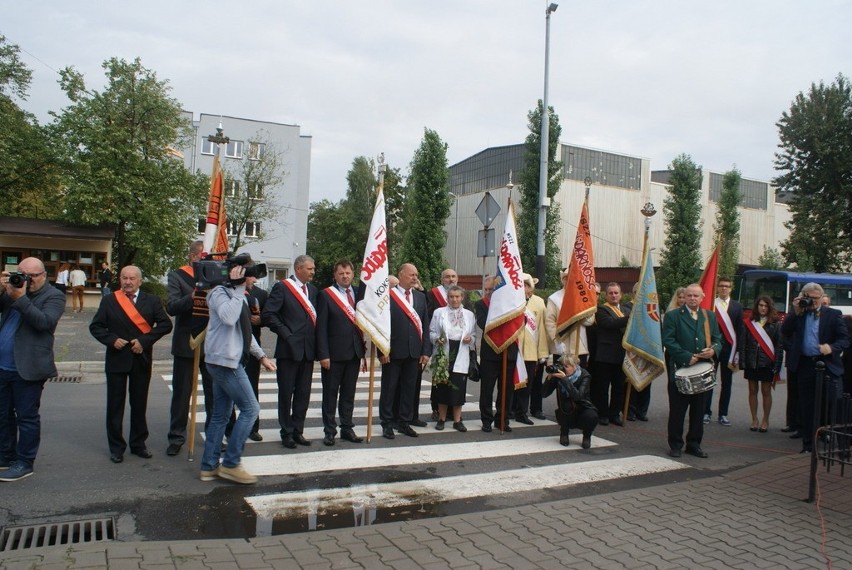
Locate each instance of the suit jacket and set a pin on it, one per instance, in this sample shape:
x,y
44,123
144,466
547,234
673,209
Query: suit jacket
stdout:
x,y
111,323
832,330
179,305
405,341
683,337
610,332
735,313
40,312
485,350
286,317
338,338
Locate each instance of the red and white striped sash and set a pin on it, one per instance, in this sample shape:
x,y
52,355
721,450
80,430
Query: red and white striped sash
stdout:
x,y
303,300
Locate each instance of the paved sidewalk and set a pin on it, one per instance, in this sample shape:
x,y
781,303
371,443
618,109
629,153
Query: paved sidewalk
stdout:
x,y
751,518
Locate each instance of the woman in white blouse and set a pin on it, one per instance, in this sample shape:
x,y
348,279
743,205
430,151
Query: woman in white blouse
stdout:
x,y
454,328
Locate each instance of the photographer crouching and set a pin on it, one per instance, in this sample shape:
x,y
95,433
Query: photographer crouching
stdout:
x,y
574,407
228,346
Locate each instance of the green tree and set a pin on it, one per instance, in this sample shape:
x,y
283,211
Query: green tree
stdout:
x,y
395,197
727,226
117,142
680,259
323,240
527,222
815,161
249,203
770,259
427,209
30,182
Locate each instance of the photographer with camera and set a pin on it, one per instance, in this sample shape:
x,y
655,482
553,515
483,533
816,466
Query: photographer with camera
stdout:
x,y
228,346
30,308
817,334
574,407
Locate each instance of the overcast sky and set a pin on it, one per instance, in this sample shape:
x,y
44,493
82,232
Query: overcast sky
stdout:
x,y
646,78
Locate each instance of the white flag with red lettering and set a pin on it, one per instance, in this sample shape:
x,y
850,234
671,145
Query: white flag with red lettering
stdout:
x,y
373,312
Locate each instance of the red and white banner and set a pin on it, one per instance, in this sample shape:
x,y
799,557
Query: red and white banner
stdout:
x,y
216,230
505,319
373,312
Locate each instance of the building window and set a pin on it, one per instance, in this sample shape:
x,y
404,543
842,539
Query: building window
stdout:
x,y
232,187
252,229
256,150
256,192
234,149
202,225
207,147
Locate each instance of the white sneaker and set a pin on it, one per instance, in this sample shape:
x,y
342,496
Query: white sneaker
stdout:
x,y
237,474
706,419
723,420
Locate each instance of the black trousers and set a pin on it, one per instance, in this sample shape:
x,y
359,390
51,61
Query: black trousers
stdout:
x,y
490,376
678,405
832,391
793,399
640,402
119,385
726,375
608,389
294,394
338,393
399,381
182,385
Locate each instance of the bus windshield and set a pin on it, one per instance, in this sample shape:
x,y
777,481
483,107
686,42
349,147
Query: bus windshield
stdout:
x,y
783,286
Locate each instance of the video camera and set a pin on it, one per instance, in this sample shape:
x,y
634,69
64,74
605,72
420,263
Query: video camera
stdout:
x,y
18,279
212,272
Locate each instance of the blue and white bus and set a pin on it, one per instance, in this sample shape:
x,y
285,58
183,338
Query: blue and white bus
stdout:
x,y
784,286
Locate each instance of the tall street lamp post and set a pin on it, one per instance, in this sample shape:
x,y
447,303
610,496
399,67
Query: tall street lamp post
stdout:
x,y
545,154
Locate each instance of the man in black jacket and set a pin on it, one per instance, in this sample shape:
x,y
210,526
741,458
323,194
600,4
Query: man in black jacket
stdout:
x,y
608,381
490,371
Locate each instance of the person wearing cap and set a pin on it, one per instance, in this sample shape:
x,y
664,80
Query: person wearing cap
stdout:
x,y
533,345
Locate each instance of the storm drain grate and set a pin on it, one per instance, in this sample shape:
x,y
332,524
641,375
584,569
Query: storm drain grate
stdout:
x,y
57,534
66,379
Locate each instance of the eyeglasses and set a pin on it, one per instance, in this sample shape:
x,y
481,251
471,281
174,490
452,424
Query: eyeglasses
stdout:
x,y
34,275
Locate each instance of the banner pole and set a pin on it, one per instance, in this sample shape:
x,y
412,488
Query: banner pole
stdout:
x,y
370,392
193,402
504,420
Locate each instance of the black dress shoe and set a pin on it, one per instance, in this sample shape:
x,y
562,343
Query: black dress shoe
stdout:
x,y
300,439
388,432
789,429
116,457
288,442
587,442
563,440
538,415
642,418
486,428
173,449
631,417
697,452
603,421
507,428
349,435
255,436
417,423
328,440
143,453
405,429
797,435
616,421
524,419
675,453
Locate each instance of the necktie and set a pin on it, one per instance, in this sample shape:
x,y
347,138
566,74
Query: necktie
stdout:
x,y
305,290
408,296
349,296
694,315
724,304
130,295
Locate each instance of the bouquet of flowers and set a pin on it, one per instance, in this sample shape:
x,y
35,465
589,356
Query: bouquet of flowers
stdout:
x,y
440,364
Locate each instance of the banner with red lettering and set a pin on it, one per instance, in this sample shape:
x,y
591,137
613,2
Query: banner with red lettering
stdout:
x,y
580,299
216,230
505,319
373,312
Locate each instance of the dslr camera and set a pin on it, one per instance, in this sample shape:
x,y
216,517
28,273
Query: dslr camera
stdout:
x,y
557,366
212,272
18,279
806,303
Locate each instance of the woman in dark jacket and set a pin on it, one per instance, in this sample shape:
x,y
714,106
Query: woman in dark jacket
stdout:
x,y
573,405
761,356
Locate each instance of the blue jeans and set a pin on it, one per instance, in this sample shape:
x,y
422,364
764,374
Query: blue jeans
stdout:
x,y
20,422
231,387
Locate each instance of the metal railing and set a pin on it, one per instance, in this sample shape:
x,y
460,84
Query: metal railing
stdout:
x,y
832,445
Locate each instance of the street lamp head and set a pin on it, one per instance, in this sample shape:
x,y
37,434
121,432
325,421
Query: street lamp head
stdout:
x,y
552,8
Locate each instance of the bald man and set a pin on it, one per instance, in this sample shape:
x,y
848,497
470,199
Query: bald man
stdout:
x,y
128,323
29,312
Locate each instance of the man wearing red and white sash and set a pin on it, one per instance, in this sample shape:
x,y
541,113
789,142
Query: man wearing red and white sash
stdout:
x,y
410,348
340,351
291,314
128,323
729,316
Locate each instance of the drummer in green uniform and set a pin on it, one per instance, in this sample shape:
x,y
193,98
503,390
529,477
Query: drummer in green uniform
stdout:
x,y
690,335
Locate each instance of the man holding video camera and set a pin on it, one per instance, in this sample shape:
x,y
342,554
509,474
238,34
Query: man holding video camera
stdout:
x,y
30,308
228,346
817,334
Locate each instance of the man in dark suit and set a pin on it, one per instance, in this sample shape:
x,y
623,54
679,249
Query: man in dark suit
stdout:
x,y
729,317
340,350
290,313
608,380
491,369
181,286
28,317
128,323
410,348
816,334
685,337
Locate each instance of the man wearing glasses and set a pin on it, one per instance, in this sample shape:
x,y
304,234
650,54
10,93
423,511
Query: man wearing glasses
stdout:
x,y
30,308
817,334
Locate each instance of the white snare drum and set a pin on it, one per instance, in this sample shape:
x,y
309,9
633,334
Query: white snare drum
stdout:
x,y
695,379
